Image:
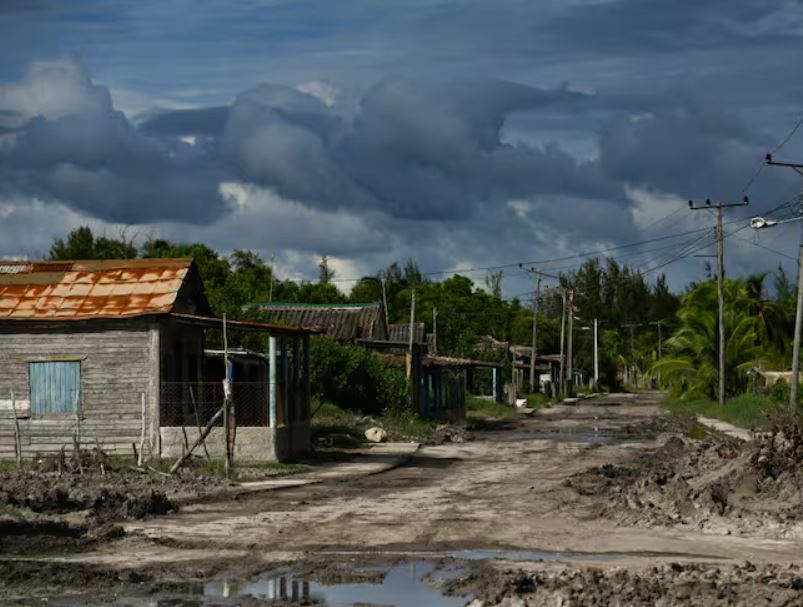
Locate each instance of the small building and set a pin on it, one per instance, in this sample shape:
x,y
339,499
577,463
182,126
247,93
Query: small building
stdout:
x,y
345,322
114,353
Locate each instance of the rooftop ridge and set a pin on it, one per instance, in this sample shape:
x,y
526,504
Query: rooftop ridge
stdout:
x,y
288,304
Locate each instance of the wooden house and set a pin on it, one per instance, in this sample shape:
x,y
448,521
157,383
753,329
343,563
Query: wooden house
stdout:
x,y
112,353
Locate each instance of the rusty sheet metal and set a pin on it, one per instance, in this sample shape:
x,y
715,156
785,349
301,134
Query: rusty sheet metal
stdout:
x,y
344,322
81,290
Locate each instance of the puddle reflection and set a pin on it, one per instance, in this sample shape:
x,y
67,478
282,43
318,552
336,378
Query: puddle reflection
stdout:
x,y
401,587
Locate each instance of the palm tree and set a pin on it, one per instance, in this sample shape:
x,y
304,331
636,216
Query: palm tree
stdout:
x,y
691,366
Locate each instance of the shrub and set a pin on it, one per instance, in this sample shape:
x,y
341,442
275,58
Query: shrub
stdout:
x,y
355,378
779,392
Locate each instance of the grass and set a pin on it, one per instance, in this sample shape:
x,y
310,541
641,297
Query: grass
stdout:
x,y
488,409
746,410
243,470
537,400
344,429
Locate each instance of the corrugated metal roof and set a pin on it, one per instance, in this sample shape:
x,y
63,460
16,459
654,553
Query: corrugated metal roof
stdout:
x,y
450,361
344,322
82,290
401,332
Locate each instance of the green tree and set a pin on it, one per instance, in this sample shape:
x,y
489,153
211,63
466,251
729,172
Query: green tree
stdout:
x,y
81,243
691,364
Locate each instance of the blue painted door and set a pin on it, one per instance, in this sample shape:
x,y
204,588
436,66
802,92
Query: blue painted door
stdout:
x,y
55,386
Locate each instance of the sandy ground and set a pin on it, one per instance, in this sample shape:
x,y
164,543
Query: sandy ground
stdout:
x,y
509,490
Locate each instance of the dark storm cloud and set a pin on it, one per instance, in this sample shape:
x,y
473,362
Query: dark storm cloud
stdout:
x,y
413,150
204,121
693,149
69,144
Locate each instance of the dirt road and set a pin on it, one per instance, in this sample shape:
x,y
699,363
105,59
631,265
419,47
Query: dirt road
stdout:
x,y
502,500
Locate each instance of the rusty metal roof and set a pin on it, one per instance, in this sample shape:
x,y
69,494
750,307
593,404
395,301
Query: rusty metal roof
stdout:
x,y
82,290
344,322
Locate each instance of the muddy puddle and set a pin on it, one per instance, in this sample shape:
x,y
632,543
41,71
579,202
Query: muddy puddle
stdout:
x,y
396,586
586,434
402,586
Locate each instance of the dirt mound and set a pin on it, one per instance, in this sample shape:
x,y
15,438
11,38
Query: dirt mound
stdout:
x,y
66,503
674,584
714,482
101,498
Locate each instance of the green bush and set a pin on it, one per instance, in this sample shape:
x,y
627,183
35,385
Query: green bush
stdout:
x,y
779,392
355,378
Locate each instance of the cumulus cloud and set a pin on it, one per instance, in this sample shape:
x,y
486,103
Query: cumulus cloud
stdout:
x,y
417,167
54,89
74,147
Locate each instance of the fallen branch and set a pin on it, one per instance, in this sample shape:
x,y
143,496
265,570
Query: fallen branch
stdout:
x,y
180,462
198,422
17,438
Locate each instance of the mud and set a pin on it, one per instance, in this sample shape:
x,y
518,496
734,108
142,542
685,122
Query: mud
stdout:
x,y
541,514
714,483
661,586
49,506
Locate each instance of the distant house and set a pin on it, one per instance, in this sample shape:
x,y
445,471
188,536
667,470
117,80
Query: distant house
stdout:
x,y
343,322
438,384
104,351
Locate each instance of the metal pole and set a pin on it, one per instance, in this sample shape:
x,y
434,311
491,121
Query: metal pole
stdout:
x,y
272,383
562,378
596,356
534,348
798,318
721,303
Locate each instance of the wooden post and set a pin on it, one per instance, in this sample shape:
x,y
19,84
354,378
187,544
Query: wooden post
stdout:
x,y
226,400
141,456
17,438
285,381
296,380
435,331
307,383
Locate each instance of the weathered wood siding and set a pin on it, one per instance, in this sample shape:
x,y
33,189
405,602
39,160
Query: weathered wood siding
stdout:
x,y
118,367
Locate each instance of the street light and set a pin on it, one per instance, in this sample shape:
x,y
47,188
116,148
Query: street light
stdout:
x,y
760,223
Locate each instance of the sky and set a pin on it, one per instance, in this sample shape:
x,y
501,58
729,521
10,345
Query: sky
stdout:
x,y
458,134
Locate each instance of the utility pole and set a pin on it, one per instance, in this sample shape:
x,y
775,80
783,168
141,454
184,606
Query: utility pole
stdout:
x,y
596,356
658,323
632,365
793,389
534,346
385,300
570,309
562,379
720,234
435,331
